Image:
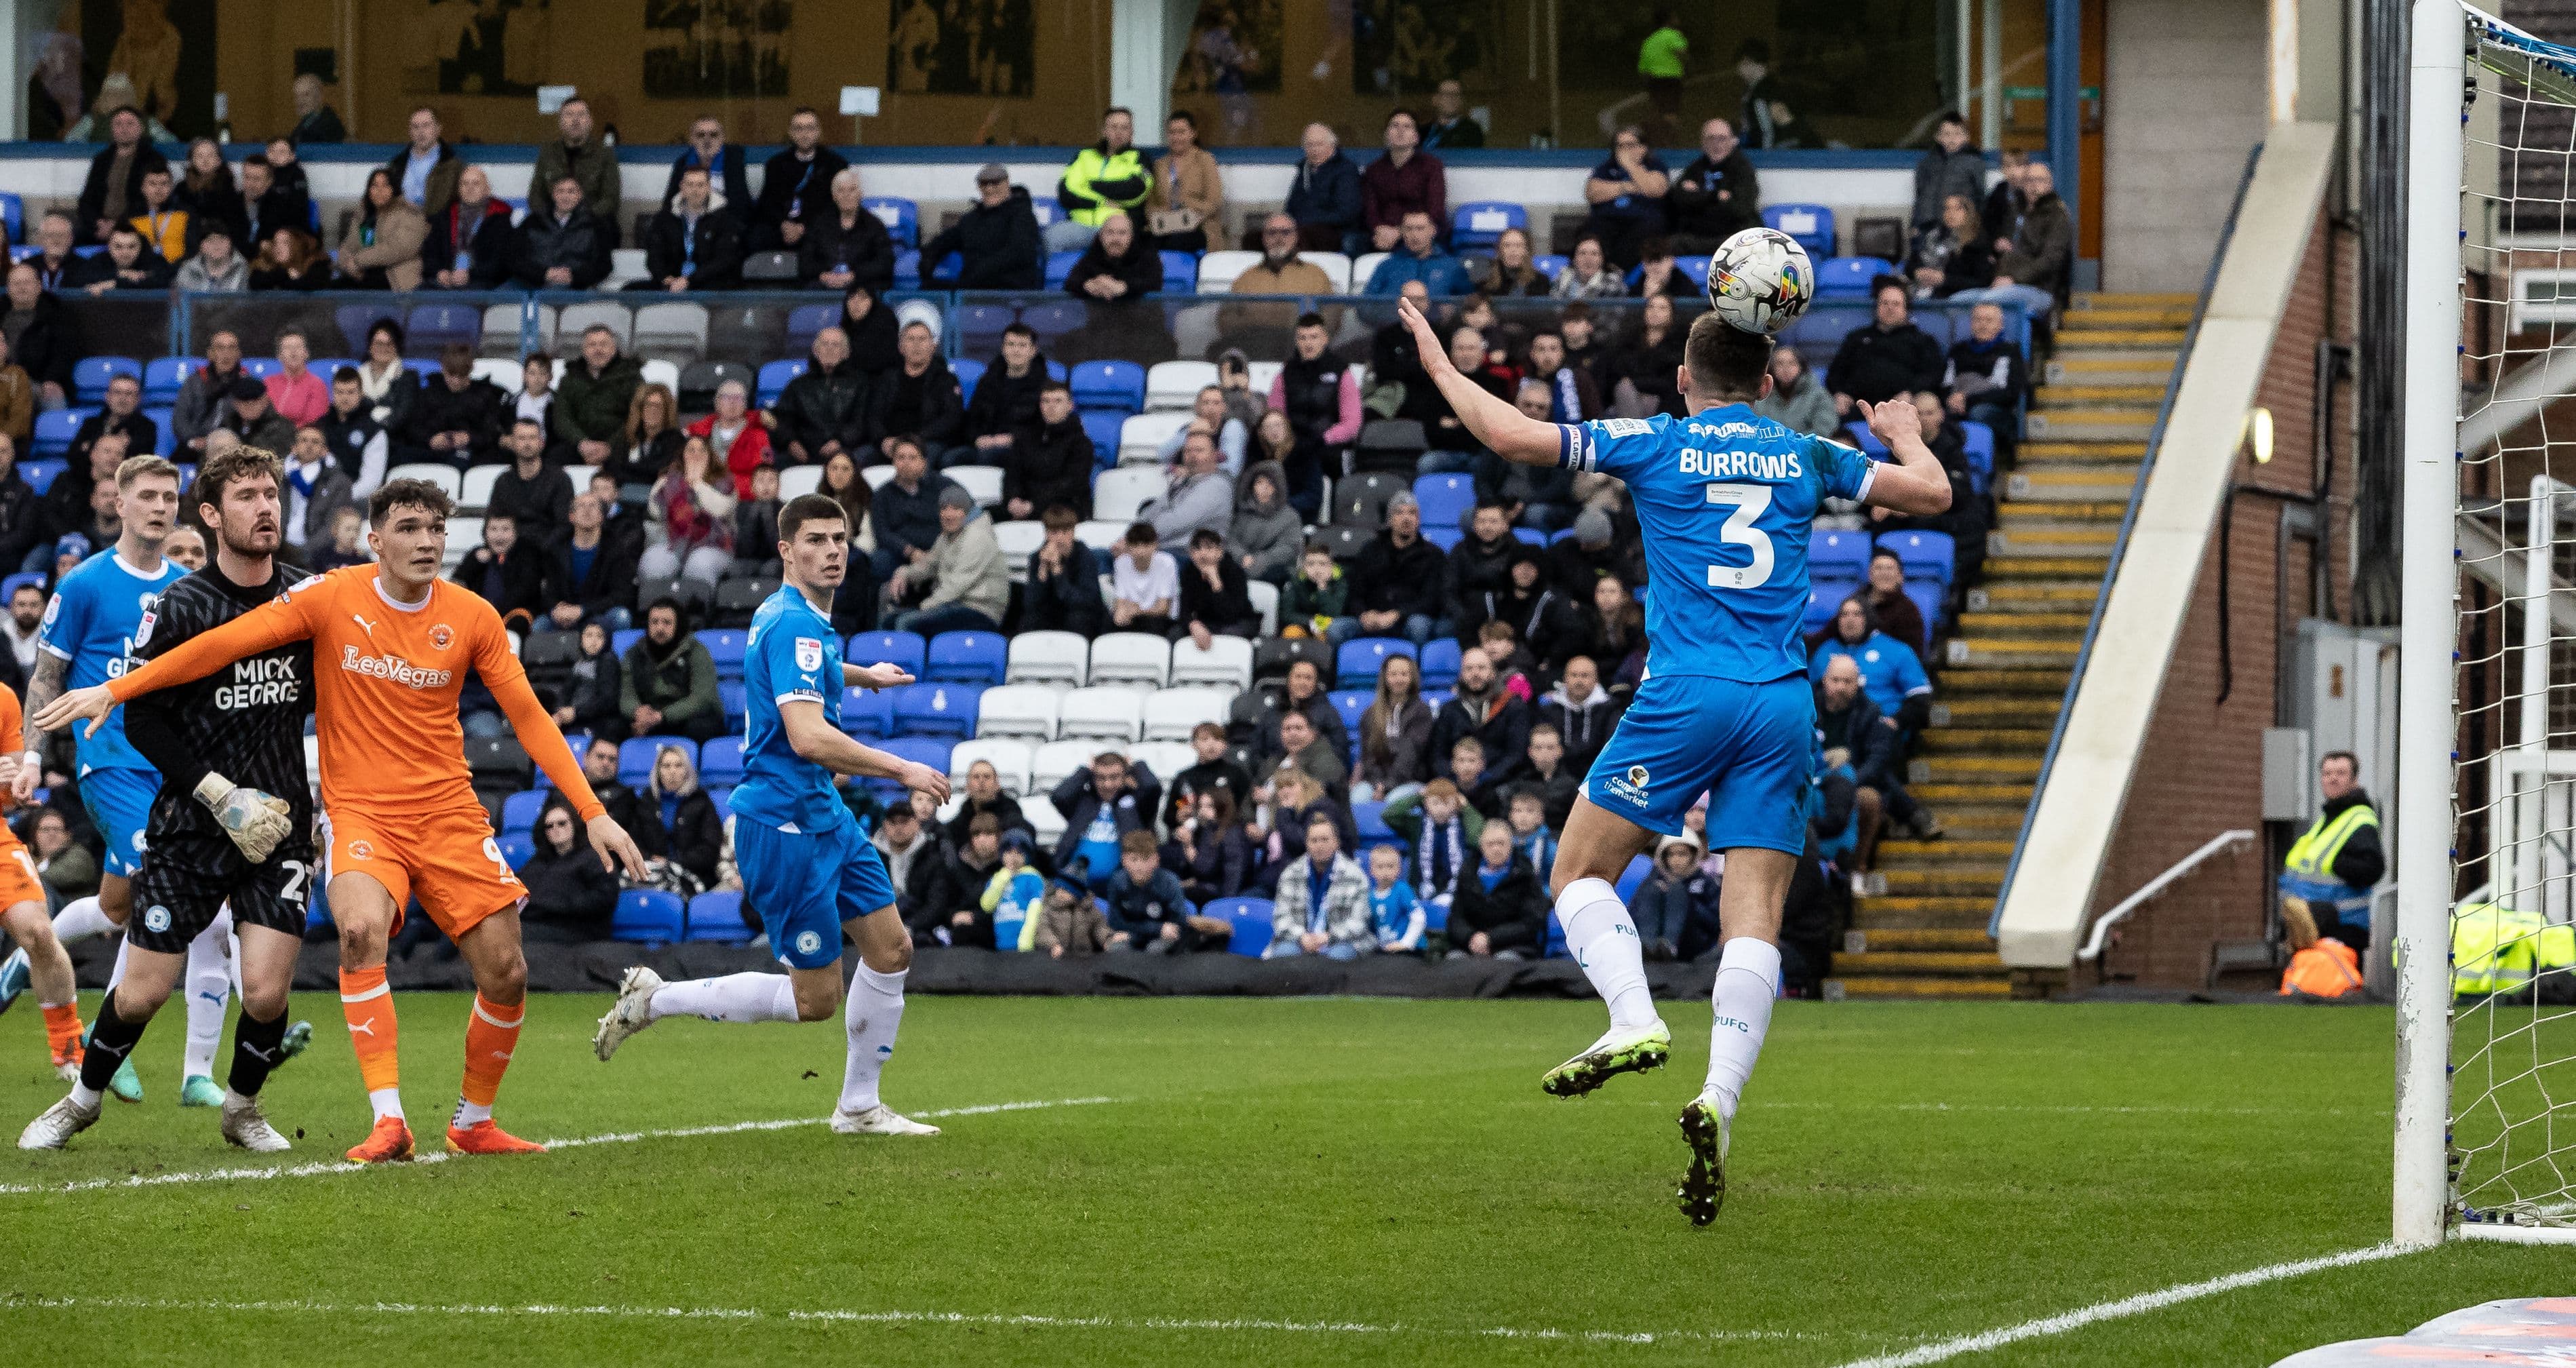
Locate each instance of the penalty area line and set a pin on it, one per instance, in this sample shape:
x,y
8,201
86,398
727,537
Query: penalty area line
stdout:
x,y
327,1167
991,1320
1941,1350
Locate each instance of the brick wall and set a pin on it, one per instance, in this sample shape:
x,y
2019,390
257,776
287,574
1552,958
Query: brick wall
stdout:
x,y
2205,774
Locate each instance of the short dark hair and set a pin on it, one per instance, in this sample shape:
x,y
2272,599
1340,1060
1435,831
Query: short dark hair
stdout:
x,y
1054,387
805,508
904,439
679,613
2345,756
984,824
347,375
524,421
1017,329
1205,536
1951,116
1140,533
1182,116
1725,361
1060,517
238,463
420,494
1310,320
1137,843
1879,285
1400,112
1117,109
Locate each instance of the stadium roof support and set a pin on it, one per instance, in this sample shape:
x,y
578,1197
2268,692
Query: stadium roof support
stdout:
x,y
1146,40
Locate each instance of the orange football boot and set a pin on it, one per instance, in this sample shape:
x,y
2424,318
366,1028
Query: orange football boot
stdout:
x,y
388,1143
484,1137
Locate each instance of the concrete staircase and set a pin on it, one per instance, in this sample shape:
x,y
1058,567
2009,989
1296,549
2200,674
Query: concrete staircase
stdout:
x,y
1920,929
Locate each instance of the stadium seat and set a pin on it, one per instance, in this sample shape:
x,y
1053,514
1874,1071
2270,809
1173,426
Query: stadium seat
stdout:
x,y
1446,538
1272,656
1054,319
1440,663
1529,536
936,709
1175,385
796,480
1116,385
1849,277
806,320
55,429
716,915
39,476
432,328
13,216
1130,658
1811,224
1977,441
674,332
1364,268
968,657
517,848
519,810
927,750
1059,267
1022,710
1838,555
734,698
1119,495
906,649
577,319
1102,713
445,477
1265,601
475,492
163,375
1342,543
984,482
1226,663
726,646
1824,599
1548,264
1019,540
1050,763
1104,427
1141,436
1217,270
260,367
1180,273
1925,555
774,376
979,328
1360,500
867,712
635,759
968,371
1100,535
1358,661
1929,600
648,916
165,434
1250,918
1008,755
720,762
1049,658
1369,823
1480,223
1446,500
1349,704
91,374
901,217
1173,714
1633,876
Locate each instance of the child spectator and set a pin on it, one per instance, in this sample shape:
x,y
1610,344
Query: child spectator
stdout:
x,y
1147,911
1209,851
1556,782
1674,895
591,701
1501,907
1512,665
1530,833
1013,896
755,527
1392,906
348,526
1071,923
1146,582
1317,599
1441,828
1467,771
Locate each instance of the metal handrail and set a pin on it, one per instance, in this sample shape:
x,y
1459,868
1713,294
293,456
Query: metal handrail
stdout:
x,y
2209,849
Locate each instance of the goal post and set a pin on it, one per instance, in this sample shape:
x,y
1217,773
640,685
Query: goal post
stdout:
x,y
2483,831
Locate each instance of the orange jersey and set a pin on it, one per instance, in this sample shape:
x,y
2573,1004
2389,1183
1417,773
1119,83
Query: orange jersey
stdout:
x,y
386,680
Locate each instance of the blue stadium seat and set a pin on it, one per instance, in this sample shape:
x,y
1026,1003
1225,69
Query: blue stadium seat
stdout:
x,y
945,271
1251,920
1350,704
1529,536
867,713
1360,658
1695,267
1047,210
518,847
1925,555
163,375
717,916
1824,599
619,643
1849,277
805,320
968,370
1550,265
720,762
355,319
730,694
55,429
1054,319
722,796
1638,869
1109,385
1978,441
260,367
91,374
1440,663
1838,555
648,916
725,645
774,376
1180,272
9,587
1446,538
1446,500
579,743
1369,819
936,709
433,327
165,438
979,328
423,369
1479,223
906,649
1859,435
907,270
1103,428
519,810
969,657
635,758
13,215
1059,268
1929,600
901,217
1811,224
928,750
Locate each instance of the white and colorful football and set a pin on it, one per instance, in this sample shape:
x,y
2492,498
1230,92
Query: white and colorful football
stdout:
x,y
1760,280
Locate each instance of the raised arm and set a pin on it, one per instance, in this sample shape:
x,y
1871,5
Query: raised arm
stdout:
x,y
266,627
1916,484
544,743
1505,430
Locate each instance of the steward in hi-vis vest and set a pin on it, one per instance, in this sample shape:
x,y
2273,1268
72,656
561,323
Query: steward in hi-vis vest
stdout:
x,y
2333,865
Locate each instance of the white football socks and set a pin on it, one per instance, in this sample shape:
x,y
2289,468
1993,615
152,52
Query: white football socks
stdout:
x,y
1604,942
385,1102
1748,980
875,1013
735,997
80,919
209,985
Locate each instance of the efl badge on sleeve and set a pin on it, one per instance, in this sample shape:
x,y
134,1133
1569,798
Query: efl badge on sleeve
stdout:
x,y
809,654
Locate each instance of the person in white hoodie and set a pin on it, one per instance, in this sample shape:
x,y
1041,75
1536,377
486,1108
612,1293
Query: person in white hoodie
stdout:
x,y
216,266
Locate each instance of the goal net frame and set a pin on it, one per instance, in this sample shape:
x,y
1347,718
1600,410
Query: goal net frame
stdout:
x,y
2479,1153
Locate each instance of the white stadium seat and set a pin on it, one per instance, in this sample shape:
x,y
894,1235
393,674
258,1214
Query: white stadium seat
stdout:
x,y
1020,539
1217,270
1119,495
799,480
1130,658
1099,535
1365,268
1164,758
1335,267
1140,439
1049,658
577,319
509,375
1226,663
982,481
656,372
476,491
675,327
445,477
1265,596
1050,763
1261,373
463,535
1175,712
1043,819
877,476
625,264
1009,757
580,477
1109,714
1176,384
1025,710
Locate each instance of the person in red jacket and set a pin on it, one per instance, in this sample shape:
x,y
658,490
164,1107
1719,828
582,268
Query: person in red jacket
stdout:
x,y
739,435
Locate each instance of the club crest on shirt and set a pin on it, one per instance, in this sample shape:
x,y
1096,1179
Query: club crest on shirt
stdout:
x,y
442,636
809,654
143,630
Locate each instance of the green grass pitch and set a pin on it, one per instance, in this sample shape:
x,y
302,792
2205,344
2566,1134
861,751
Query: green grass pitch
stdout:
x,y
1282,1182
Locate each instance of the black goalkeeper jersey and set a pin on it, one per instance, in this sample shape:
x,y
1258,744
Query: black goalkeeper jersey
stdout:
x,y
244,721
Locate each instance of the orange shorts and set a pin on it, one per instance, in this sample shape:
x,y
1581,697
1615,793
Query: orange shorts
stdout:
x,y
18,881
448,859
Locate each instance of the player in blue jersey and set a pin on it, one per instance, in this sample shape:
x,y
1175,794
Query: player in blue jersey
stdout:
x,y
1725,498
100,612
806,868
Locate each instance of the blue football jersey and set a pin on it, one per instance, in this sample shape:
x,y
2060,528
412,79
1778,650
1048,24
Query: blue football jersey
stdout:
x,y
100,613
1726,498
792,655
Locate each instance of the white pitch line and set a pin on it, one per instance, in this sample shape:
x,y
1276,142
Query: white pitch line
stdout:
x,y
803,1317
326,1167
2127,1306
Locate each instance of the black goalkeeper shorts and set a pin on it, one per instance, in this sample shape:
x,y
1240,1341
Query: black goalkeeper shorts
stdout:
x,y
186,879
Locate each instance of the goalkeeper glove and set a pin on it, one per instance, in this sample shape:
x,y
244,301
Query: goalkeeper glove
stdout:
x,y
255,821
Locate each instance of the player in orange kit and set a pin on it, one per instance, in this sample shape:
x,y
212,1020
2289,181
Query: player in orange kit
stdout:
x,y
391,645
23,916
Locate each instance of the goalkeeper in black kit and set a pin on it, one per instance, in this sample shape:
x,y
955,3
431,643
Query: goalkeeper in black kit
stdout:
x,y
233,823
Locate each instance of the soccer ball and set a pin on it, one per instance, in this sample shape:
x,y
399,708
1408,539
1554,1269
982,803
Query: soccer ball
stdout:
x,y
1760,280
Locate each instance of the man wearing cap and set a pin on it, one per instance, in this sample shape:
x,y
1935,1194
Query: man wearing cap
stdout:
x,y
1575,563
1396,580
254,420
963,584
996,241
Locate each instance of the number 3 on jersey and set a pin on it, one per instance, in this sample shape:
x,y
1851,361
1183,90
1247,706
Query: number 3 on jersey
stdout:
x,y
1750,501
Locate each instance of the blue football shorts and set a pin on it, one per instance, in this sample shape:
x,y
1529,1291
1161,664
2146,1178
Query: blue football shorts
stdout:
x,y
120,806
1750,747
805,885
